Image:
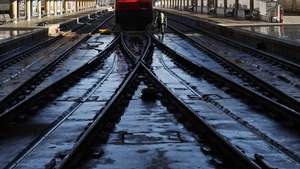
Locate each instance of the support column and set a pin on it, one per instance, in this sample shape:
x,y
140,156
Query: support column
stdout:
x,y
64,6
251,5
236,7
15,9
39,6
294,5
55,8
28,9
47,7
181,4
60,6
50,7
202,6
80,5
216,4
73,6
225,7
188,3
77,5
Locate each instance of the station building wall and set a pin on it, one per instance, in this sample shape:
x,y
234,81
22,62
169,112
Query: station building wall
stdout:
x,y
290,5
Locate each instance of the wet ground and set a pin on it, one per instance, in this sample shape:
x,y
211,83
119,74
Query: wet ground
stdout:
x,y
225,112
52,112
149,136
10,33
272,74
286,32
16,74
69,113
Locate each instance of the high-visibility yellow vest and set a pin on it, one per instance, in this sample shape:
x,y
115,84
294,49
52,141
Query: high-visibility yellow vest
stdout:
x,y
162,18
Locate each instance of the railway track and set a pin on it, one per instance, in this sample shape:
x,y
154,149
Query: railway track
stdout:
x,y
38,114
236,79
284,63
17,89
132,101
271,76
12,57
70,104
128,132
209,99
140,133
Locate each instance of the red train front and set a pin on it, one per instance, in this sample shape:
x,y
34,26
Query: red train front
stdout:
x,y
133,13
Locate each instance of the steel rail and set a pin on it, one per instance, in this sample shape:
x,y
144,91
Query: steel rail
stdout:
x,y
215,104
18,55
284,113
71,160
285,99
131,55
5,102
8,59
21,156
221,145
228,150
13,111
289,64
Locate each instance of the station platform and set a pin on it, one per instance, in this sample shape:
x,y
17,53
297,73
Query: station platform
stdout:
x,y
282,39
231,22
22,27
13,35
33,23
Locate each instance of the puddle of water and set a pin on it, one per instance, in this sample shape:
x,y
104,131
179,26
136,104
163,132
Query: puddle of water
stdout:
x,y
287,32
5,34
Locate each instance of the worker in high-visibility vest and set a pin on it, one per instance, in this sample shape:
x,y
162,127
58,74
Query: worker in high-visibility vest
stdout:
x,y
161,21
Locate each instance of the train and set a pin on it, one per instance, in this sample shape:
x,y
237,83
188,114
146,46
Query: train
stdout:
x,y
133,13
